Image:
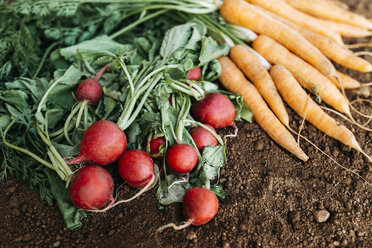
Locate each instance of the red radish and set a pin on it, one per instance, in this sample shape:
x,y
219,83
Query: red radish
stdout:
x,y
90,89
214,109
199,205
181,158
91,187
136,168
194,74
155,145
102,143
202,137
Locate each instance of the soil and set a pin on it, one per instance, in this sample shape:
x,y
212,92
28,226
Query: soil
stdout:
x,y
274,199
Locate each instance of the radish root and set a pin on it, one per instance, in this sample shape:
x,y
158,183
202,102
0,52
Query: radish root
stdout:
x,y
112,204
236,130
183,225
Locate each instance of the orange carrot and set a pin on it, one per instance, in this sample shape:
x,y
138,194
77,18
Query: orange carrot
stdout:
x,y
247,15
326,10
281,8
310,77
331,49
257,73
347,30
234,80
299,101
347,81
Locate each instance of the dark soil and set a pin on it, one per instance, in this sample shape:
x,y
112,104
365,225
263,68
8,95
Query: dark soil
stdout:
x,y
273,198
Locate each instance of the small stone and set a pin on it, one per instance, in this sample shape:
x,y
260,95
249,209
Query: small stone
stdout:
x,y
56,244
13,202
321,215
27,237
259,146
226,245
191,236
348,181
243,227
12,189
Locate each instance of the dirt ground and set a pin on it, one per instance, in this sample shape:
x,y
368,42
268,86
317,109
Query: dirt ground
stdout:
x,y
274,199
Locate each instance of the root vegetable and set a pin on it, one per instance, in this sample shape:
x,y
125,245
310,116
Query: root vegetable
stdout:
x,y
214,109
91,188
136,168
234,80
202,137
181,158
102,143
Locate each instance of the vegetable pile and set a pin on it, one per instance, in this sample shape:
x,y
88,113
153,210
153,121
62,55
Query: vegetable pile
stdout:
x,y
94,90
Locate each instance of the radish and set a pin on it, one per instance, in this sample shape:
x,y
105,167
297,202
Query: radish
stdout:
x,y
155,147
194,74
89,92
215,109
90,89
200,205
102,143
202,137
136,168
181,158
91,188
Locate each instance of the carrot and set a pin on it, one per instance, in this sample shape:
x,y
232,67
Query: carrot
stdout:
x,y
336,3
234,80
347,81
257,73
347,30
305,107
281,8
310,77
330,49
244,14
326,10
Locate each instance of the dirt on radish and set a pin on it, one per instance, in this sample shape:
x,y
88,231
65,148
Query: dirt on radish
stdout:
x,y
272,198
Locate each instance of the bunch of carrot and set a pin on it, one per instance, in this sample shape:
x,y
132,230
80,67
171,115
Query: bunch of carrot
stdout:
x,y
299,38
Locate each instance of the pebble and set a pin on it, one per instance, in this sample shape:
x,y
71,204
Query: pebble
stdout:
x,y
243,227
27,237
321,215
56,244
259,146
226,245
191,236
13,202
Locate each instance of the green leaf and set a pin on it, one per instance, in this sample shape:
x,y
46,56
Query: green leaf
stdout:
x,y
211,50
53,117
16,98
174,39
218,190
98,44
213,160
66,150
172,189
71,214
4,122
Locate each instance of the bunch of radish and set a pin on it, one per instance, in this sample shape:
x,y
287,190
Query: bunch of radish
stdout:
x,y
104,142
